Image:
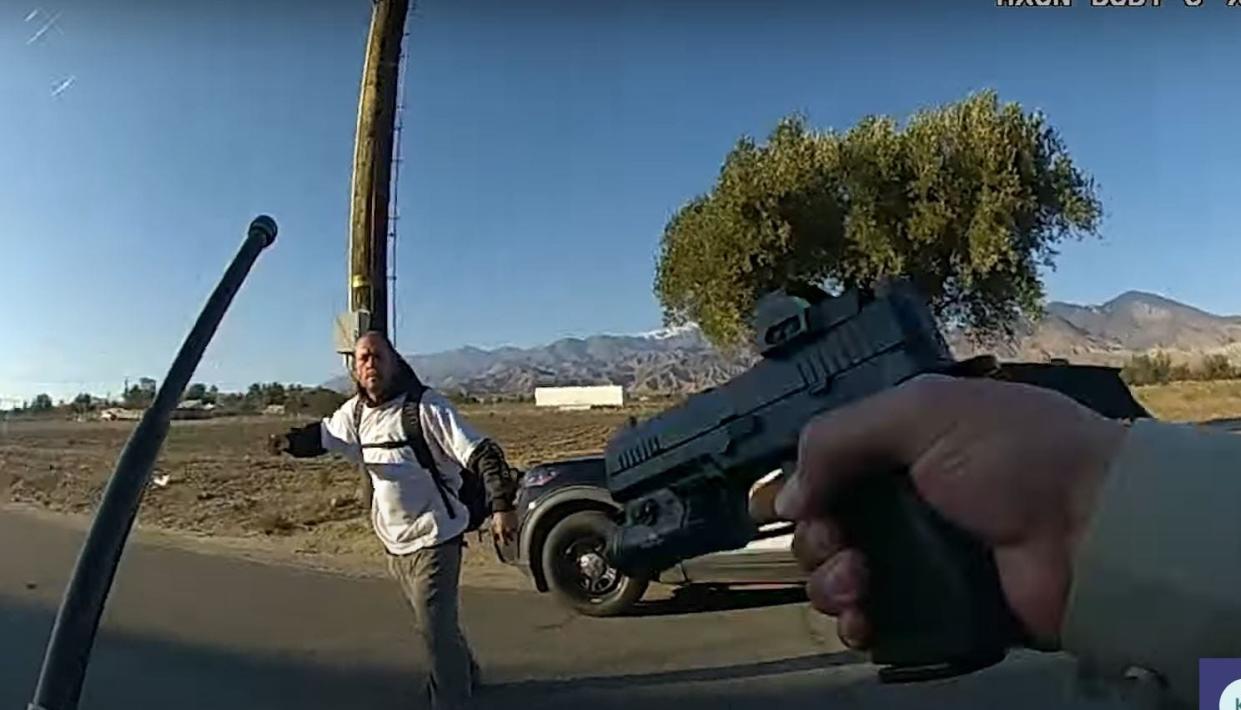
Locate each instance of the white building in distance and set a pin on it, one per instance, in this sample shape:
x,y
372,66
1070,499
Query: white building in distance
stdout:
x,y
580,397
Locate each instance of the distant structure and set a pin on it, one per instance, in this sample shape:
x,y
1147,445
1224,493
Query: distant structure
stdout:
x,y
112,414
577,398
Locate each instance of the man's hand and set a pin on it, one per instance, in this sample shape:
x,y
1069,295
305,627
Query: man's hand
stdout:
x,y
277,444
1016,465
504,526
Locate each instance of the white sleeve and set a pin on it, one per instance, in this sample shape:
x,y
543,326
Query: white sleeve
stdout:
x,y
339,436
1156,576
442,422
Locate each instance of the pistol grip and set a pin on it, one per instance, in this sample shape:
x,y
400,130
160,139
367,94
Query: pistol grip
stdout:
x,y
933,599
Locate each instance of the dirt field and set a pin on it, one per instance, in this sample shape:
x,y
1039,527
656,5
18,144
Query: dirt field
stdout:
x,y
222,488
221,485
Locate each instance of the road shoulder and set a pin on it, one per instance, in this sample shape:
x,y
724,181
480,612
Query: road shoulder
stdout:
x,y
477,572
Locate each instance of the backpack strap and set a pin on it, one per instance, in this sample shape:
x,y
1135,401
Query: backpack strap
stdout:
x,y
411,422
357,436
357,419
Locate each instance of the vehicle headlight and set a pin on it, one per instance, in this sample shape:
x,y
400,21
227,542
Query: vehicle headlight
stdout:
x,y
541,477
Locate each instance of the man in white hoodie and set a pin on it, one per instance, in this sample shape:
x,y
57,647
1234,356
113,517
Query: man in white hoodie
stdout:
x,y
417,509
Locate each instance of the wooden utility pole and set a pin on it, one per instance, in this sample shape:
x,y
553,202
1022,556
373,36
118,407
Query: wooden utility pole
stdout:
x,y
372,166
371,188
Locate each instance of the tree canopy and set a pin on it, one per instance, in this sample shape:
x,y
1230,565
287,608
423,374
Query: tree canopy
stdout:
x,y
968,200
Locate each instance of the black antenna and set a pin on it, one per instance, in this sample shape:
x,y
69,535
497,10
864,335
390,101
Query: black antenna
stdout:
x,y
77,621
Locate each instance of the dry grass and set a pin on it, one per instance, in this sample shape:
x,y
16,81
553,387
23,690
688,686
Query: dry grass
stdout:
x,y
1192,401
223,486
530,435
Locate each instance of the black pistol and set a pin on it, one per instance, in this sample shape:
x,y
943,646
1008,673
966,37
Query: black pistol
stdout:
x,y
935,601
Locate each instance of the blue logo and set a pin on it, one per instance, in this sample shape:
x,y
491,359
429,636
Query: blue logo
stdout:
x,y
1219,683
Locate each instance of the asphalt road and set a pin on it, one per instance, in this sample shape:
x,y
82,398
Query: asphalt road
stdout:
x,y
189,630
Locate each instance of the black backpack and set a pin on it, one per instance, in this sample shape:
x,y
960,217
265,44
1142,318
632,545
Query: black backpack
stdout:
x,y
473,493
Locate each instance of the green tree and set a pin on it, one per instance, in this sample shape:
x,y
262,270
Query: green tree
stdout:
x,y
967,200
273,393
41,403
83,403
137,397
321,402
196,391
294,399
230,401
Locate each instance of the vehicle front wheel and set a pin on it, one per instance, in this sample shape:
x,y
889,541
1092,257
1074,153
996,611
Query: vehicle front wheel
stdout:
x,y
577,570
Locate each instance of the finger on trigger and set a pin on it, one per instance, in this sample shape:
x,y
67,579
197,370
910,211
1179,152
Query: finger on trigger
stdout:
x,y
762,503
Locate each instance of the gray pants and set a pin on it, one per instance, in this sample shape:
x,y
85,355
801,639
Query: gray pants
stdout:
x,y
429,578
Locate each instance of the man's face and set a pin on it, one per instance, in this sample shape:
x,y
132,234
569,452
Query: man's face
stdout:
x,y
372,364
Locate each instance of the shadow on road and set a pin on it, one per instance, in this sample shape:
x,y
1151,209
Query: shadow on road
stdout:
x,y
128,671
1016,685
739,671
697,600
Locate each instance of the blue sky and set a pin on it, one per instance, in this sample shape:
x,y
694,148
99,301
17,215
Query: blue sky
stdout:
x,y
546,145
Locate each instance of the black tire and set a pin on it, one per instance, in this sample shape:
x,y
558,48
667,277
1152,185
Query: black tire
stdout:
x,y
571,556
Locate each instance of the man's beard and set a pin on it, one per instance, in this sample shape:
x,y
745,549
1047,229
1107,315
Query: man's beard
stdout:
x,y
384,389
388,387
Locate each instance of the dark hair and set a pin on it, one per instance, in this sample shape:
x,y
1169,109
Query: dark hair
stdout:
x,y
406,379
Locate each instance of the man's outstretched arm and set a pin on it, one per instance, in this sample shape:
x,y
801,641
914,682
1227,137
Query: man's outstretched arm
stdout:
x,y
301,442
331,435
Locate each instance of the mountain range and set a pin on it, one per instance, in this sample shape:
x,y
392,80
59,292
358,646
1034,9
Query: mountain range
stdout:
x,y
681,361
1133,323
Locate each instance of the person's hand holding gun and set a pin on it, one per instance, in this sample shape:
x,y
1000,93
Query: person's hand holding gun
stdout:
x,y
1114,542
1018,466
